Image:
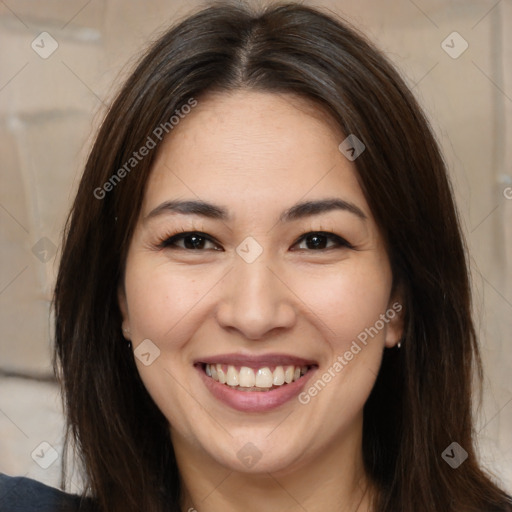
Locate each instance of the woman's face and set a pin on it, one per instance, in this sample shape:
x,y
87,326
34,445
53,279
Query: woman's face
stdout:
x,y
254,290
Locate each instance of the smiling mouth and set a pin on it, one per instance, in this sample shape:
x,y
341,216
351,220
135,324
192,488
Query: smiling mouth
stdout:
x,y
245,378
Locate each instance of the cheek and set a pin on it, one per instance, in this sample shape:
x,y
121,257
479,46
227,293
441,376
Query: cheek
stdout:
x,y
160,299
349,305
347,301
164,306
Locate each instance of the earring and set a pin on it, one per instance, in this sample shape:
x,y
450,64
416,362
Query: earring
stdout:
x,y
399,344
128,342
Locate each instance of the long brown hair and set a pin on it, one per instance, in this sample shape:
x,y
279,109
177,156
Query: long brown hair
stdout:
x,y
422,399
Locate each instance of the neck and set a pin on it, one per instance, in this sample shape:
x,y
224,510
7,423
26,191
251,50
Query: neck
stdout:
x,y
332,480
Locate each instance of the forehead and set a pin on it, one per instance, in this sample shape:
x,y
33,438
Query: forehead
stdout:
x,y
254,149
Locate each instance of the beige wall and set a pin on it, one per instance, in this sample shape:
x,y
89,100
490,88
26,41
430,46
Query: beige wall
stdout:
x,y
48,108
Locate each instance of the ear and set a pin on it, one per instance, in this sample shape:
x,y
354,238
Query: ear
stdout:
x,y
395,314
123,307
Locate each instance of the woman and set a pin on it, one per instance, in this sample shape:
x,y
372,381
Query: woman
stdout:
x,y
263,298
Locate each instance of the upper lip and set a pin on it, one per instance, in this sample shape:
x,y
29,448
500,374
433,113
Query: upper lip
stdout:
x,y
254,361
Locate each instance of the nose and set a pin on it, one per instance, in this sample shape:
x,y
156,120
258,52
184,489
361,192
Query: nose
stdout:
x,y
256,301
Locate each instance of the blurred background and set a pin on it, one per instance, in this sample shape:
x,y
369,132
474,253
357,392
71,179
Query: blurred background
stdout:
x,y
60,64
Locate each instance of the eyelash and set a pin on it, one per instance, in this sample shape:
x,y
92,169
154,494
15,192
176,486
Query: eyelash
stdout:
x,y
168,242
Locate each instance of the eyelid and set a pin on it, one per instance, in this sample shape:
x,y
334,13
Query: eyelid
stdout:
x,y
167,241
340,241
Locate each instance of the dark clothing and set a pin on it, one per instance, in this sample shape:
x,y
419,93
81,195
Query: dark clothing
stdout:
x,y
19,494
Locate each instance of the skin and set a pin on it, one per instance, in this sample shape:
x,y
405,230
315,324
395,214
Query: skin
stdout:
x,y
257,154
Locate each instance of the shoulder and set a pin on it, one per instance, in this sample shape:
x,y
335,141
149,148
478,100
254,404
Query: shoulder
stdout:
x,y
19,494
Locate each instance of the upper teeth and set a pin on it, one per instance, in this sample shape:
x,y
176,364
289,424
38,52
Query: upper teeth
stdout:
x,y
247,377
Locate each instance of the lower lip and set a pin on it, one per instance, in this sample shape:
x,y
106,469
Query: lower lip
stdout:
x,y
254,401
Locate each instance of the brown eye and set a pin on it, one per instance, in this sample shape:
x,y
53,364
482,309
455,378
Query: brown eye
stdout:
x,y
318,241
190,241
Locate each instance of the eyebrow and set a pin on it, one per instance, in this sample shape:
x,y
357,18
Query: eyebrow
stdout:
x,y
297,211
